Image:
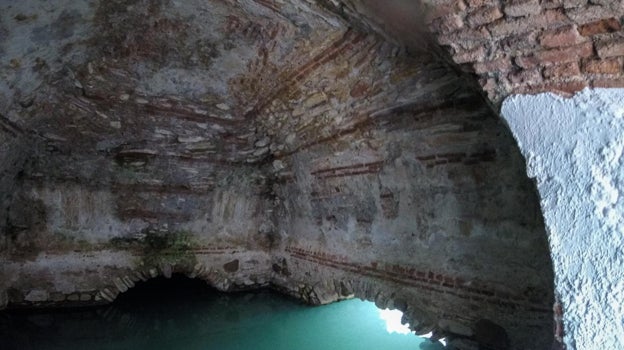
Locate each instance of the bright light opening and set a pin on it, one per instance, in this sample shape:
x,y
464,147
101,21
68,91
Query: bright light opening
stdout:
x,y
393,321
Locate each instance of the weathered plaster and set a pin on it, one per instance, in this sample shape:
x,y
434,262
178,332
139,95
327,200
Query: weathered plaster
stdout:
x,y
574,150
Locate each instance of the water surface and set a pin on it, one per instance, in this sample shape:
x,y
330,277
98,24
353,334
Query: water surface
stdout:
x,y
179,314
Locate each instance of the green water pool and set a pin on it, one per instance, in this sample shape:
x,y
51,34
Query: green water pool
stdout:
x,y
188,318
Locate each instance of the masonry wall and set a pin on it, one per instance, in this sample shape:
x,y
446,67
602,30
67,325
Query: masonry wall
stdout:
x,y
277,144
417,195
533,46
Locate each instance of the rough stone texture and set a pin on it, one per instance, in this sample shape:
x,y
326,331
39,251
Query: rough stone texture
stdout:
x,y
581,182
295,138
435,174
512,37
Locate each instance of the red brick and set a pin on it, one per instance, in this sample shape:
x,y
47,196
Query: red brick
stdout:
x,y
608,25
470,56
609,83
483,15
498,65
530,77
521,8
607,66
569,69
527,62
562,88
589,14
519,44
446,8
506,27
447,24
563,36
566,54
610,46
566,88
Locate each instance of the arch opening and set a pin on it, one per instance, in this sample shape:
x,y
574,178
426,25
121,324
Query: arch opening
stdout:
x,y
343,166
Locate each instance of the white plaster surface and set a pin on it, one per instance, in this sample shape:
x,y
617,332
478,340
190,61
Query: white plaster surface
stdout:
x,y
574,150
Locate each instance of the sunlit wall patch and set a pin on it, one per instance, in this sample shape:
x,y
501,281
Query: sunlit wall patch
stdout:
x,y
393,321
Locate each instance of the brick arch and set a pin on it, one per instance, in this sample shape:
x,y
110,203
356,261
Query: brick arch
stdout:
x,y
127,279
511,46
532,46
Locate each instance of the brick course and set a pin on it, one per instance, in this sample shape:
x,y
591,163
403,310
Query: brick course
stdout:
x,y
484,15
562,36
607,25
607,66
611,46
531,46
569,69
521,8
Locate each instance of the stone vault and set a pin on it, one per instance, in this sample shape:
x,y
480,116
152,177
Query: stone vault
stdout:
x,y
322,148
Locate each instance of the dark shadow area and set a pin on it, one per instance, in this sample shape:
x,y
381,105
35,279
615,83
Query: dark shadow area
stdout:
x,y
160,289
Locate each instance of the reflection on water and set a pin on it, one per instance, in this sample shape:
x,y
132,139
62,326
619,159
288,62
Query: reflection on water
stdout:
x,y
188,317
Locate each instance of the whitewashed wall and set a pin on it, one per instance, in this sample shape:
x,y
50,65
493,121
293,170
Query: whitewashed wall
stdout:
x,y
574,150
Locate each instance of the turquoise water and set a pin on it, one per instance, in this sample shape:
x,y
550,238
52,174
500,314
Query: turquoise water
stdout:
x,y
188,317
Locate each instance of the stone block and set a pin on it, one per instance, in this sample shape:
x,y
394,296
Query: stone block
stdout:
x,y
526,76
566,54
521,8
568,69
232,266
563,36
455,327
37,295
120,285
502,64
483,15
606,66
167,270
57,297
610,46
551,4
447,24
607,25
584,15
474,55
444,8
608,83
574,3
507,27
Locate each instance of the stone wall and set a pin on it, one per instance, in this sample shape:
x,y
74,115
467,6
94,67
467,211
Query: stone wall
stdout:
x,y
417,194
278,144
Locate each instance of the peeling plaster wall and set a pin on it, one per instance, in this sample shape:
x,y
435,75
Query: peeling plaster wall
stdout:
x,y
574,148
